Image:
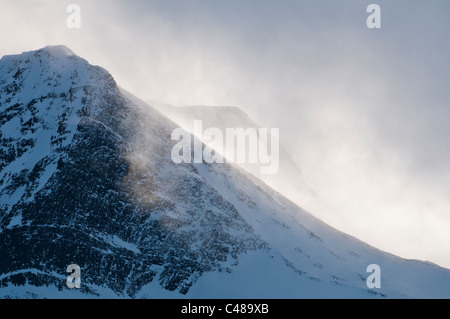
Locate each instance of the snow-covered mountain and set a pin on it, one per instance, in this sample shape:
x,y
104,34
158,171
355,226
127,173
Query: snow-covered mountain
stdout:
x,y
86,178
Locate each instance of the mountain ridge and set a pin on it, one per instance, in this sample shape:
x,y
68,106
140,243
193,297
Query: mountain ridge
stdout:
x,y
93,184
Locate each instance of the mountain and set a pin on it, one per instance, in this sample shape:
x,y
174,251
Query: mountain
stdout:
x,y
86,178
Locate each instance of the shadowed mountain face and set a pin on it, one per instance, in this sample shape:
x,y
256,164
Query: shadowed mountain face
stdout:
x,y
86,178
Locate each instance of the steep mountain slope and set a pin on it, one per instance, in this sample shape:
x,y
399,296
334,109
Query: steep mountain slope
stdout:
x,y
288,180
86,177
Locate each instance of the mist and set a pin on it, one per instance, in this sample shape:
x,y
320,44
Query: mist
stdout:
x,y
363,112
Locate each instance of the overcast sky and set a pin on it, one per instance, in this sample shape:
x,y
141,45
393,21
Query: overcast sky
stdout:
x,y
364,112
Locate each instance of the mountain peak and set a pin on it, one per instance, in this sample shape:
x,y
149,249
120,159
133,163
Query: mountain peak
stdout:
x,y
57,50
45,54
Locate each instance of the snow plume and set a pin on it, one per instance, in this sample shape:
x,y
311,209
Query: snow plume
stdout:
x,y
236,145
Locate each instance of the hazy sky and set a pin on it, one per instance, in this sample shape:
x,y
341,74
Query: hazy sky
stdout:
x,y
364,112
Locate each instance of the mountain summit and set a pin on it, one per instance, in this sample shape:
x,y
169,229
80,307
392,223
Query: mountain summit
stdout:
x,y
86,178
